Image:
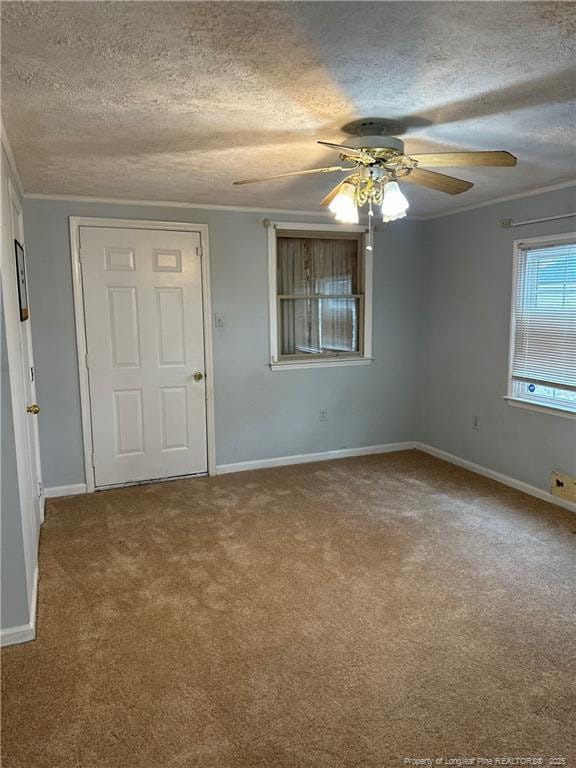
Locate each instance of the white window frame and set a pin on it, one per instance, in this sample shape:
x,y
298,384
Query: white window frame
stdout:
x,y
511,399
276,364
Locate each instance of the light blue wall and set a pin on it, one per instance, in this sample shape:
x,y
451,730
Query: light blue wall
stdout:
x,y
441,317
259,413
465,357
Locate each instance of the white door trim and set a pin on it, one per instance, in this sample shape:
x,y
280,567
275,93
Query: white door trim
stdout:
x,y
88,221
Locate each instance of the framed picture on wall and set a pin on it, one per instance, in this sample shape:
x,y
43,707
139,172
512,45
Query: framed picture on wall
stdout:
x,y
21,276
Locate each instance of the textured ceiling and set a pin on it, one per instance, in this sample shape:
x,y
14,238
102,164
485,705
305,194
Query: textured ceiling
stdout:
x,y
172,101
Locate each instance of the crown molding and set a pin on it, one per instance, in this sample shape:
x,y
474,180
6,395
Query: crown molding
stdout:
x,y
257,209
173,204
11,159
323,214
495,201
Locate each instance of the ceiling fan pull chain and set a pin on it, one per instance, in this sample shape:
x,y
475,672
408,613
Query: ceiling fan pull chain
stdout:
x,y
370,238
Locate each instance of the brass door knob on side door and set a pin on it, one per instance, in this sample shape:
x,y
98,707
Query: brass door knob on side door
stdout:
x,y
33,409
198,375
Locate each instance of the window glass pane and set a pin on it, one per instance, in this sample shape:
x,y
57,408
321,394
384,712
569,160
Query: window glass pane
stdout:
x,y
311,266
319,326
550,283
544,315
538,393
339,325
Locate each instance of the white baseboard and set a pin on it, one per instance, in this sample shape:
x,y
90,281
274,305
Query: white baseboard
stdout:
x,y
519,485
16,635
305,458
64,490
25,632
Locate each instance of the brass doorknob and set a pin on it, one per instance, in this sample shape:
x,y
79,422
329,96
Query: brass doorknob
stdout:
x,y
198,375
33,409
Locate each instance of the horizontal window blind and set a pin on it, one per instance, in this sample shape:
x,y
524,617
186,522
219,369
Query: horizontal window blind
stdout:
x,y
544,323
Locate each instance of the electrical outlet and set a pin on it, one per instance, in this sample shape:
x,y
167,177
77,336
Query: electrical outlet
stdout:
x,y
323,414
476,422
563,486
219,320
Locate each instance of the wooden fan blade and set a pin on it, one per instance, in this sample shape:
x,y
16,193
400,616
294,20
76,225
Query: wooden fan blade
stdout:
x,y
331,169
347,150
334,191
437,181
439,159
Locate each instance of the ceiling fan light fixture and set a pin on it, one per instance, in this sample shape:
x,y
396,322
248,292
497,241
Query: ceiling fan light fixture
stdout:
x,y
376,160
394,203
343,206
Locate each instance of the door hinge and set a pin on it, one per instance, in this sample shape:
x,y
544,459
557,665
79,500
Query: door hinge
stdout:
x,y
87,361
199,251
93,460
31,373
39,488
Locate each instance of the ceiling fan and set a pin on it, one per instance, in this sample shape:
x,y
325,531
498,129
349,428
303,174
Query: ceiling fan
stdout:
x,y
379,163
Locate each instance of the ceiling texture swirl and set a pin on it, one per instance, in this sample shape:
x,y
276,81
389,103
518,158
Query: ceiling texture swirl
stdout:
x,y
173,101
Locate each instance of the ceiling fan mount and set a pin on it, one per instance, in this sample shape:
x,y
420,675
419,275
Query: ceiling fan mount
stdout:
x,y
374,126
375,134
377,145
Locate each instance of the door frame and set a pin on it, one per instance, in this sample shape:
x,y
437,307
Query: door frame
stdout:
x,y
80,321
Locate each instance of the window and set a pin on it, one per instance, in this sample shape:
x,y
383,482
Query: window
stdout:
x,y
318,280
543,335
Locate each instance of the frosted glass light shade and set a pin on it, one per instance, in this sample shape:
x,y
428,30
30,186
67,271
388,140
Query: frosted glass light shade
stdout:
x,y
343,206
394,204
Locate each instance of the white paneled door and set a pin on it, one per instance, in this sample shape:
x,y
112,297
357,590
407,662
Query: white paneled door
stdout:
x,y
145,340
29,378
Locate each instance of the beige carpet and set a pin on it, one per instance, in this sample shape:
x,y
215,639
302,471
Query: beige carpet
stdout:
x,y
356,613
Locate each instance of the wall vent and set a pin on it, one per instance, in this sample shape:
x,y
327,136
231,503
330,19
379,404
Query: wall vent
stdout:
x,y
563,486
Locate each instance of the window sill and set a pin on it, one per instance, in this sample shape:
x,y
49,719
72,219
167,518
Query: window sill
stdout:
x,y
299,365
532,406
